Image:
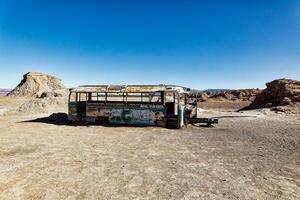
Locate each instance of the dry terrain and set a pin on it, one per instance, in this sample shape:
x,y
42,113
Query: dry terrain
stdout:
x,y
248,155
224,105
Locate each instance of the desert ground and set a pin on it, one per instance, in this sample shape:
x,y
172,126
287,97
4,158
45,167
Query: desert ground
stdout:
x,y
248,155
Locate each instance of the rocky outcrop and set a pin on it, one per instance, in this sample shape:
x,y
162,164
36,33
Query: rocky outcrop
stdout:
x,y
44,93
39,85
230,95
44,105
280,92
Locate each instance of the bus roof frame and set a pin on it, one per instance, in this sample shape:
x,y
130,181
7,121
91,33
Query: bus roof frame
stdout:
x,y
130,88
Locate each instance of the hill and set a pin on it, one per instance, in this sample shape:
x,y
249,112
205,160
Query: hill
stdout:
x,y
36,84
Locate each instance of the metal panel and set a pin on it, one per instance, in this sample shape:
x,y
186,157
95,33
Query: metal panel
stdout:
x,y
134,116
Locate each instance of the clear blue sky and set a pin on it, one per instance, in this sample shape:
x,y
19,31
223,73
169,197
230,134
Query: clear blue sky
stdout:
x,y
199,44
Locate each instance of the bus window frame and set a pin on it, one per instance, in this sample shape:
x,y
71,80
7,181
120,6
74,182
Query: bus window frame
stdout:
x,y
145,97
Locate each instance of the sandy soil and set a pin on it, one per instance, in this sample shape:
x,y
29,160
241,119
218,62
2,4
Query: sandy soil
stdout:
x,y
248,155
224,105
8,104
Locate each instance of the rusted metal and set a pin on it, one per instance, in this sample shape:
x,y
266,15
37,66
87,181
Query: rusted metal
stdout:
x,y
160,105
129,88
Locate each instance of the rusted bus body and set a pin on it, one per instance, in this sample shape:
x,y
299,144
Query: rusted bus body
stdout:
x,y
156,105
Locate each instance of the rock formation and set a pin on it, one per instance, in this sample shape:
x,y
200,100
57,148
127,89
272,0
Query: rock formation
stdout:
x,y
45,93
230,95
280,92
38,85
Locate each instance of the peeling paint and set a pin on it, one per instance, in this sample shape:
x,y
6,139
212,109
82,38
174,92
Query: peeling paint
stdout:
x,y
128,104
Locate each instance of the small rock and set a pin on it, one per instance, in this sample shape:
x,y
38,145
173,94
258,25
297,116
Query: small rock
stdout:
x,y
286,101
268,105
296,98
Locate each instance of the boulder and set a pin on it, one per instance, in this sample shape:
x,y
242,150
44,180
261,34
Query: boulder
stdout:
x,y
296,98
286,102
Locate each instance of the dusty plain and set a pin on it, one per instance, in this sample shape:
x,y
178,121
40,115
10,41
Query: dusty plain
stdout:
x,y
248,155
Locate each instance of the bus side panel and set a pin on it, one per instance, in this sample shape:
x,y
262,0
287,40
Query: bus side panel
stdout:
x,y
130,116
136,116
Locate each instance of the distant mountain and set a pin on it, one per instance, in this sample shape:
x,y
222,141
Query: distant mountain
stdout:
x,y
196,91
4,91
213,91
216,91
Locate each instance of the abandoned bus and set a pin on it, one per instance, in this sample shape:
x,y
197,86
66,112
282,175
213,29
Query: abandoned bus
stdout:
x,y
158,105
